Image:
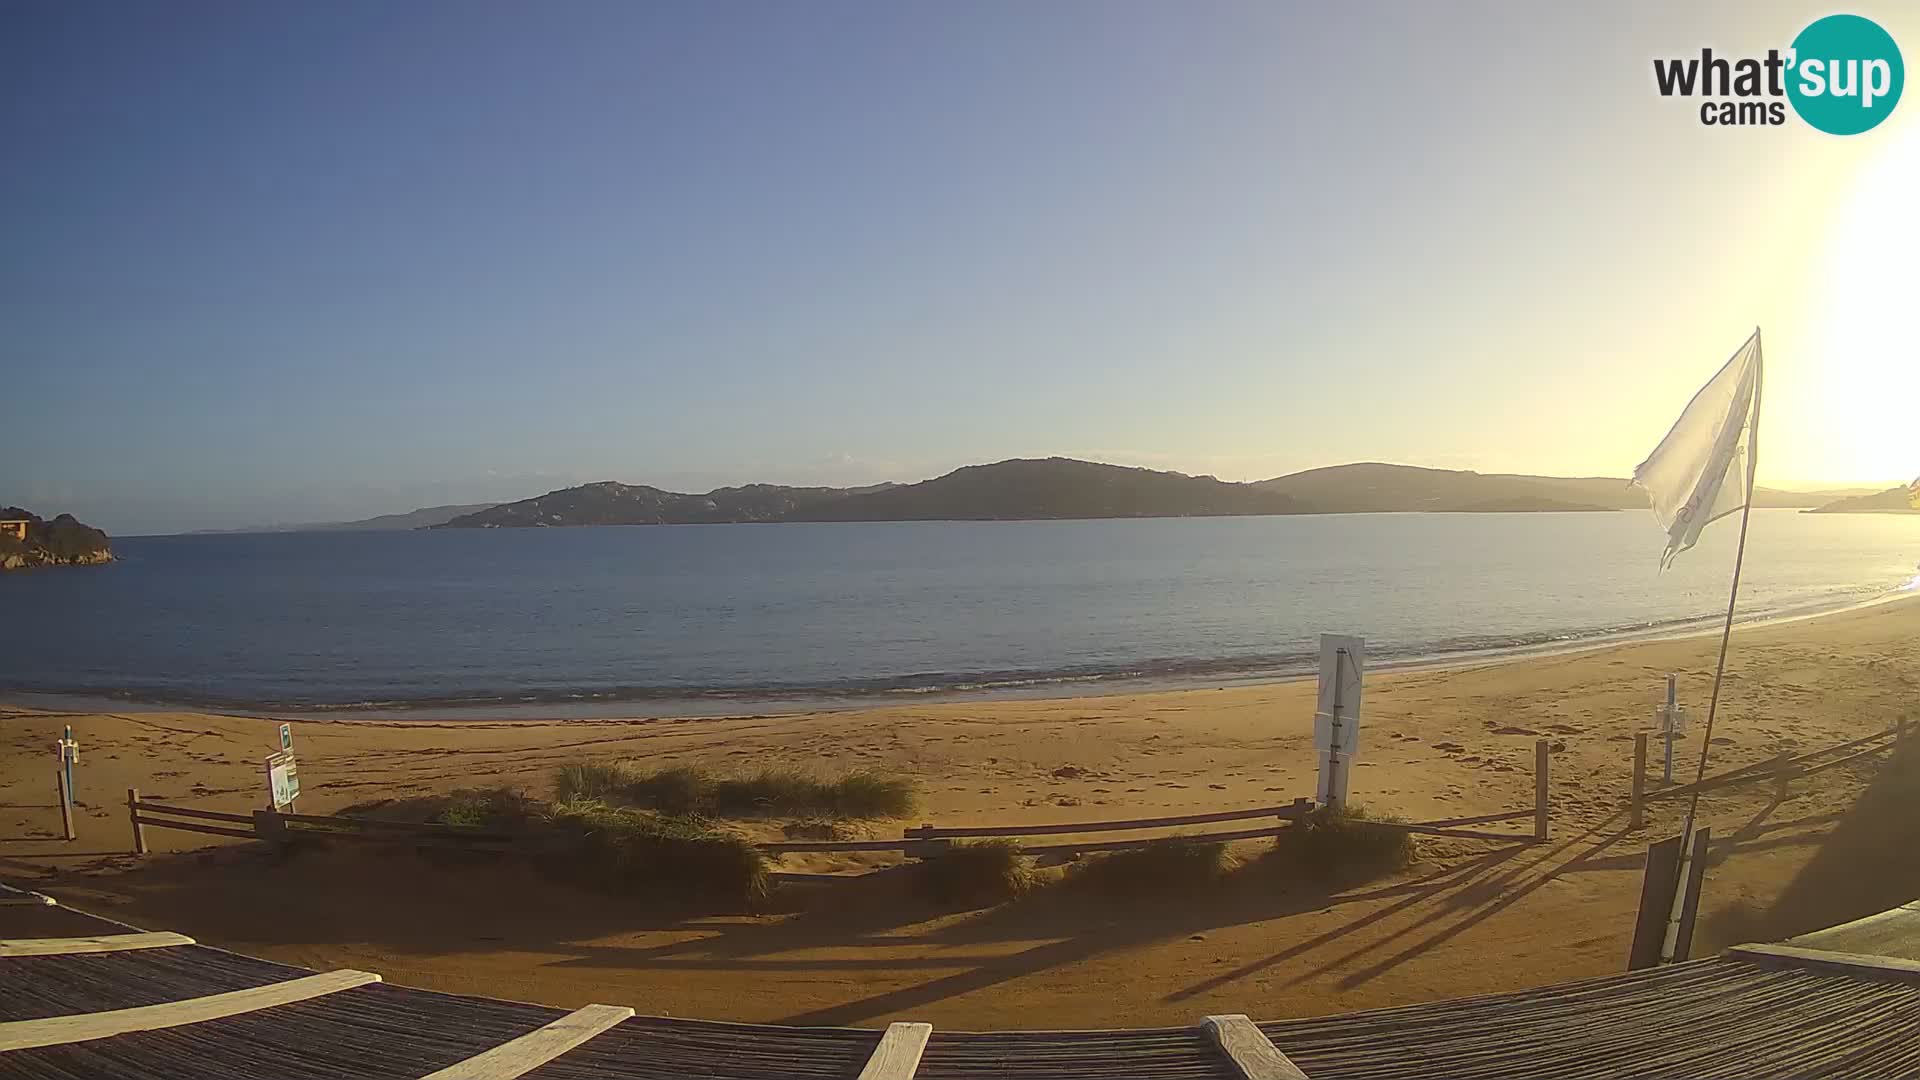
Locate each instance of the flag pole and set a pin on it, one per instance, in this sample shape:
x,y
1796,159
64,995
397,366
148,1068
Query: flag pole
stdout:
x,y
1669,946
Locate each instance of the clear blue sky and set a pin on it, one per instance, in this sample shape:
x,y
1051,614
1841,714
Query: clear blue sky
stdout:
x,y
273,262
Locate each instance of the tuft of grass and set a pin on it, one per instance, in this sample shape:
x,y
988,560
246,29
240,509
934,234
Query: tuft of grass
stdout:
x,y
1171,865
635,851
818,829
595,842
685,791
590,780
1343,843
980,873
487,808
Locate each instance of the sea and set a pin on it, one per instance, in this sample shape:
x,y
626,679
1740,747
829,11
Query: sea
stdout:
x,y
650,620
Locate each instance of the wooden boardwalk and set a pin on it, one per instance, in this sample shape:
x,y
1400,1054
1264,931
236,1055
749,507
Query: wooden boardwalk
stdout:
x,y
158,1008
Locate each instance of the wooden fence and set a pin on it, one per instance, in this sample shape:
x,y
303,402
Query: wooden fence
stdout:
x,y
921,841
279,828
1781,769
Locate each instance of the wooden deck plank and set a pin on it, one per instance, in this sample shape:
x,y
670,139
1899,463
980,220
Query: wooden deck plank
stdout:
x,y
1253,1055
897,1056
68,946
520,1056
1855,962
81,1027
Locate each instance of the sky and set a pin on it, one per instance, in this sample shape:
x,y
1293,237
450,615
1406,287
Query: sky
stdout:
x,y
274,262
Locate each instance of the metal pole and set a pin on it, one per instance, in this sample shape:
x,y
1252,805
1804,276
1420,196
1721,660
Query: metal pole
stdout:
x,y
1636,810
66,803
1542,760
1667,728
1333,739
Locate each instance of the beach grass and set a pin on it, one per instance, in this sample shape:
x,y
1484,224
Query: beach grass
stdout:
x,y
615,848
1341,843
636,851
980,873
1167,866
767,793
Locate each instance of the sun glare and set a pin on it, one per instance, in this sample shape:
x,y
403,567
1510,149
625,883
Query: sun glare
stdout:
x,y
1868,344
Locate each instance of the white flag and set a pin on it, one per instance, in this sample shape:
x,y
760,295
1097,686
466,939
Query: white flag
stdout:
x,y
1703,470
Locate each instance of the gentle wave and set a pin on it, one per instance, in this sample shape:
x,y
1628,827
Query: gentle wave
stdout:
x,y
1167,671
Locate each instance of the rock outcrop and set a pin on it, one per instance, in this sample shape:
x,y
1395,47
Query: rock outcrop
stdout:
x,y
63,541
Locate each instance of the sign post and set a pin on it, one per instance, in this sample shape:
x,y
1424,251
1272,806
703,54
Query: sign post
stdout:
x,y
1673,724
1336,720
69,755
69,749
283,773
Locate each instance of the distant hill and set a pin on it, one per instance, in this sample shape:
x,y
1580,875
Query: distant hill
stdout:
x,y
64,541
1894,500
1533,504
611,503
1046,488
1374,487
1027,488
425,517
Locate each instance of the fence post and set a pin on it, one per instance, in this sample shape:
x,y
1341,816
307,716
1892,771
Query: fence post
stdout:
x,y
66,800
1541,758
1637,806
133,817
928,847
268,826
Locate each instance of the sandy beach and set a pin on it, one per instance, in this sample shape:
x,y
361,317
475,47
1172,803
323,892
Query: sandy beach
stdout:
x,y
1469,918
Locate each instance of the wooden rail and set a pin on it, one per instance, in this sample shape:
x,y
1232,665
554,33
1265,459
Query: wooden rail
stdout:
x,y
83,1027
1781,769
279,827
74,946
1296,809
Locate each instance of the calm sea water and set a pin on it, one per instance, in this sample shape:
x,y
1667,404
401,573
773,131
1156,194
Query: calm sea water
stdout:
x,y
646,616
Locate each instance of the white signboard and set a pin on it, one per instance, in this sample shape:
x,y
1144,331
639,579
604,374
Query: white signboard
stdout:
x,y
286,737
283,779
1342,663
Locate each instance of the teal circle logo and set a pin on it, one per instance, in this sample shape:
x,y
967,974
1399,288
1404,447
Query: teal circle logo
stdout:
x,y
1845,74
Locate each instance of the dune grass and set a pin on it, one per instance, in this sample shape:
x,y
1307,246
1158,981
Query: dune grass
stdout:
x,y
1167,866
1341,844
980,873
629,850
615,848
687,791
487,808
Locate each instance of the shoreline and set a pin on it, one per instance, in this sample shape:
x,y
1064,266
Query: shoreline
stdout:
x,y
725,703
1436,744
